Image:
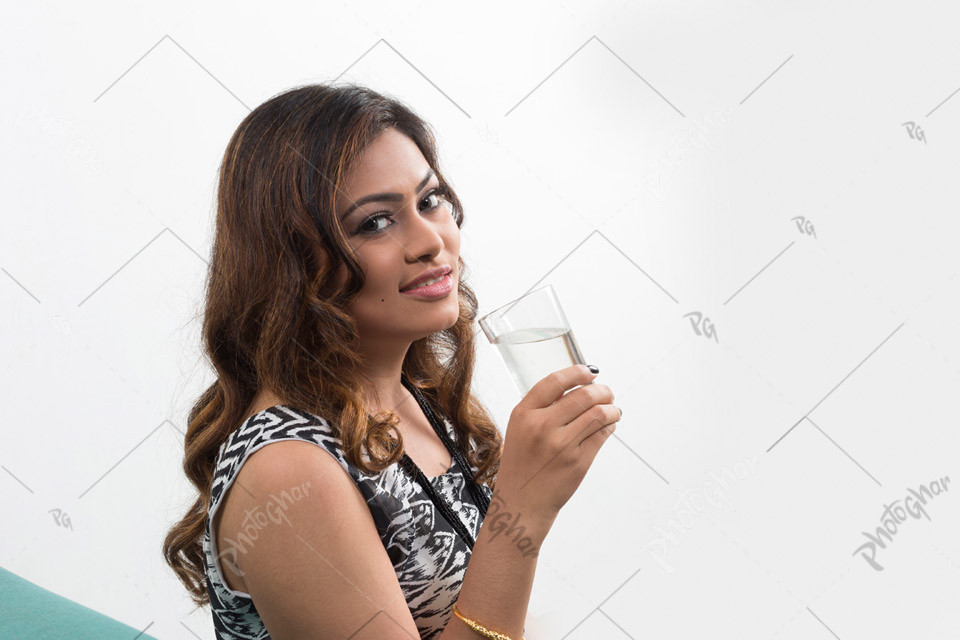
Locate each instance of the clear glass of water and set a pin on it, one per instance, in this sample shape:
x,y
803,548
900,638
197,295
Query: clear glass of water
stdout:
x,y
533,337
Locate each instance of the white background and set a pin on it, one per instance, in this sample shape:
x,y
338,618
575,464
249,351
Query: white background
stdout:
x,y
650,162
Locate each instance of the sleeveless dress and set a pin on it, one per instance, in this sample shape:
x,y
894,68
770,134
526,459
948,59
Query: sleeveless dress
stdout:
x,y
429,558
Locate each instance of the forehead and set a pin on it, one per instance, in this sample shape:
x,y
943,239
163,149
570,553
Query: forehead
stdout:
x,y
392,162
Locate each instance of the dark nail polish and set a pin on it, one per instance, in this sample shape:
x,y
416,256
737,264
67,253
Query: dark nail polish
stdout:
x,y
593,369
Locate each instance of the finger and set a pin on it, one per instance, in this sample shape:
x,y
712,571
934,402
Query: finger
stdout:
x,y
592,443
577,403
553,387
593,420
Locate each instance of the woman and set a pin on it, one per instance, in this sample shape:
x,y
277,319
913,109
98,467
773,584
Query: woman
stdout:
x,y
361,517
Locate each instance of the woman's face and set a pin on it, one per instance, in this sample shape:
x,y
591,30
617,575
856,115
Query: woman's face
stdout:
x,y
414,230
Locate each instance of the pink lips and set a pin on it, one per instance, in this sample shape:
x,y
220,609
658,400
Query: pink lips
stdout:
x,y
435,290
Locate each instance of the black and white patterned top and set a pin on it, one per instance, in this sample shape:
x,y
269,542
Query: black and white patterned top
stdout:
x,y
430,559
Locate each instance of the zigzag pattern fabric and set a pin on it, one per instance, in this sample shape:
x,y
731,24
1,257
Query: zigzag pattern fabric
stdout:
x,y
429,558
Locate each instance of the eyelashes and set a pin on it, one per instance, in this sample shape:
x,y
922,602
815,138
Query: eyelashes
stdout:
x,y
362,229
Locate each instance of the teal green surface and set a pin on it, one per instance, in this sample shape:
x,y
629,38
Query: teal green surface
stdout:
x,y
30,611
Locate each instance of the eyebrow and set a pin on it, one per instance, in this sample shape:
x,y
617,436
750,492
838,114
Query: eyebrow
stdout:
x,y
385,197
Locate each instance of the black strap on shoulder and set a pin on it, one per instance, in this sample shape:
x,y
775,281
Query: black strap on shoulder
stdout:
x,y
479,497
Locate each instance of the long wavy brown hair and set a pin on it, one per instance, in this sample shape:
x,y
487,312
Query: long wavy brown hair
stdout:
x,y
274,316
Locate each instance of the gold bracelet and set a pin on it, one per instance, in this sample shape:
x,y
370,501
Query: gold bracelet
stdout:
x,y
479,628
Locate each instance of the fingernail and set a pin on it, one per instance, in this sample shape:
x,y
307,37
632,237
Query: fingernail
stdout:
x,y
593,369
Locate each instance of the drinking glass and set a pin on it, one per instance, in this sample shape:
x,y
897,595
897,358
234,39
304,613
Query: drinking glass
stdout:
x,y
533,337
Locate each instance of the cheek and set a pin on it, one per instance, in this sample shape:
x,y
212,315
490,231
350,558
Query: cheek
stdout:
x,y
452,236
380,269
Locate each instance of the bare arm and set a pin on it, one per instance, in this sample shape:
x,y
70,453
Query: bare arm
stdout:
x,y
318,568
499,577
559,435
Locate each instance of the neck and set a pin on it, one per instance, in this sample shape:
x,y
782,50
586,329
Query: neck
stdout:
x,y
383,357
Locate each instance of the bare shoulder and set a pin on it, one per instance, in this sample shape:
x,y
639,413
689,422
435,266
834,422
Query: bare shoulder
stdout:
x,y
307,549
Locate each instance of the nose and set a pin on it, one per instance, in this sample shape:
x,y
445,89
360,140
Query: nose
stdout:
x,y
423,235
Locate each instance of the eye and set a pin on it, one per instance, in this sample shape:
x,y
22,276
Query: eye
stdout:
x,y
433,196
436,197
363,229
